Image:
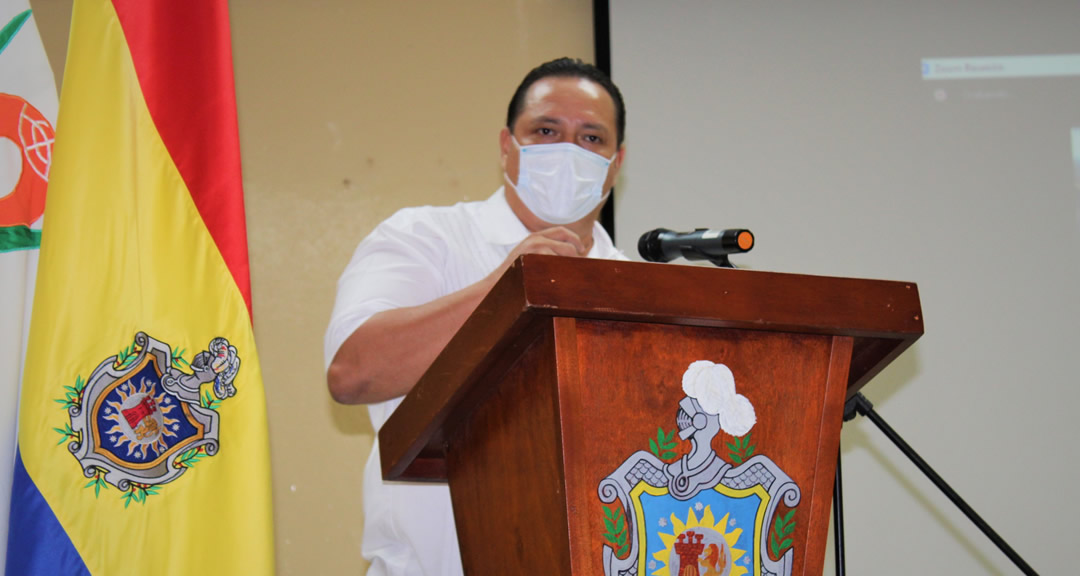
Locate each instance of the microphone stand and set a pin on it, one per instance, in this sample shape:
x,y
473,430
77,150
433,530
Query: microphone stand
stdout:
x,y
859,405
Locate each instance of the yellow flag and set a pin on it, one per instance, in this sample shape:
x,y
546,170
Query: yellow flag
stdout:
x,y
142,444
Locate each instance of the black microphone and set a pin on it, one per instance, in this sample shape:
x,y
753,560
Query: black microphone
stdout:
x,y
663,245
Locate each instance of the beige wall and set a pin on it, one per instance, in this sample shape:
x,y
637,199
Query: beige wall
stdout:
x,y
348,111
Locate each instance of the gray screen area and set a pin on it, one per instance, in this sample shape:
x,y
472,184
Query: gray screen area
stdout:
x,y
932,142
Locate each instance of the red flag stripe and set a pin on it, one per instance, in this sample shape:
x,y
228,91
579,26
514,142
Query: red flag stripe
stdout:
x,y
185,71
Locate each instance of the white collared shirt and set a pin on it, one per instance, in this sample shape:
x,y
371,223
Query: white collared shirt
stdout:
x,y
411,258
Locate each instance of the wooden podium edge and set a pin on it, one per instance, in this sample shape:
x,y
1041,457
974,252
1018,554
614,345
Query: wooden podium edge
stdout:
x,y
883,317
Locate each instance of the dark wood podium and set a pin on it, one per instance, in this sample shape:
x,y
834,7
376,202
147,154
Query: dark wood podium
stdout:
x,y
558,415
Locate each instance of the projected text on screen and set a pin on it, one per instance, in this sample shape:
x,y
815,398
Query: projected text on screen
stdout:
x,y
1046,65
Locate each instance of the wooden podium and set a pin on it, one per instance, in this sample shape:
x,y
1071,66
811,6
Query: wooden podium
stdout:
x,y
558,416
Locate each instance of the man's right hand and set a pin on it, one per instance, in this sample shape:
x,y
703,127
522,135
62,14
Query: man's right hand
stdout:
x,y
555,241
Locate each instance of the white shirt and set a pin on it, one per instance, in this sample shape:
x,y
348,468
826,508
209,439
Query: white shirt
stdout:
x,y
411,258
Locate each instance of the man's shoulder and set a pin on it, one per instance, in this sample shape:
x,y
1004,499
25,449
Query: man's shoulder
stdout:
x,y
410,215
417,217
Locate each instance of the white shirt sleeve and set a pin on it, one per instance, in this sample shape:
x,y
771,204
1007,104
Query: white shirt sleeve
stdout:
x,y
399,264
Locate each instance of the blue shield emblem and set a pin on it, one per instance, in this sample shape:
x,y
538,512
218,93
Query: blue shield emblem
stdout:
x,y
140,420
700,515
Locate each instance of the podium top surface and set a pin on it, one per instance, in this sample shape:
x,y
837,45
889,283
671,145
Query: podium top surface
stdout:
x,y
883,318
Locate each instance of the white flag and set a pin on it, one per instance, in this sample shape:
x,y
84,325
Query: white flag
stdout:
x,y
28,107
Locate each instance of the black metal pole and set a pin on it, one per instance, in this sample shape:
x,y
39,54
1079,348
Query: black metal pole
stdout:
x,y
602,53
865,408
838,521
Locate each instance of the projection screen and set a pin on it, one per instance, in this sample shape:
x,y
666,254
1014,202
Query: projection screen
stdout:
x,y
932,142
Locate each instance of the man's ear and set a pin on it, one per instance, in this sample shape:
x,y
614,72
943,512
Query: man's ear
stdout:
x,y
504,146
617,162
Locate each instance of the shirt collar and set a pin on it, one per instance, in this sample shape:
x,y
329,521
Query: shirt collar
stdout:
x,y
500,226
498,223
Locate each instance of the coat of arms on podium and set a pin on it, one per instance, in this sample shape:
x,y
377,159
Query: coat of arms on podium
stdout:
x,y
700,515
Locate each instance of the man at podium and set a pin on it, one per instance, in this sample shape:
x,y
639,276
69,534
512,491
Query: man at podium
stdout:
x,y
415,279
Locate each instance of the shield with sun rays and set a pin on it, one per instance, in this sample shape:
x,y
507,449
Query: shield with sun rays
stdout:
x,y
139,411
699,515
678,535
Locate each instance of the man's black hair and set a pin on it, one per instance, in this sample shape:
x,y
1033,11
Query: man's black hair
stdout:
x,y
568,68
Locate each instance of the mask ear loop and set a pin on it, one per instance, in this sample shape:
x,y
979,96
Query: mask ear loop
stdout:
x,y
506,177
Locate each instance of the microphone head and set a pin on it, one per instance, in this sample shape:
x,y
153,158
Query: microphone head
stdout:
x,y
744,239
649,246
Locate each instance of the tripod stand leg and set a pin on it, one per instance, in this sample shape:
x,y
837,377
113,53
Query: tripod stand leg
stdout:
x,y
859,404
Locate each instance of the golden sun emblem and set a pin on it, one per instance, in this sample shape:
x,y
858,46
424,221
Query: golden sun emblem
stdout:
x,y
700,547
141,421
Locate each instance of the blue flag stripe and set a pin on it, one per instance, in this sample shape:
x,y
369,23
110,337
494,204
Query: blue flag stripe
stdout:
x,y
37,544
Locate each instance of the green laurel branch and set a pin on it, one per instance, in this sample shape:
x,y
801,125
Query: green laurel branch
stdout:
x,y
73,397
126,357
741,449
779,538
138,493
663,446
190,458
209,401
98,482
66,434
615,529
178,360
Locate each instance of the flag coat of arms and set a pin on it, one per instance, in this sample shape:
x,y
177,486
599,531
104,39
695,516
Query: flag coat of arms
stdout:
x,y
142,445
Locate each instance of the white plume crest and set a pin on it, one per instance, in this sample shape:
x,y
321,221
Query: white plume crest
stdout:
x,y
713,386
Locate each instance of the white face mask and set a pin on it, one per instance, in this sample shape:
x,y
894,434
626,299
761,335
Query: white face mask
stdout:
x,y
560,183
